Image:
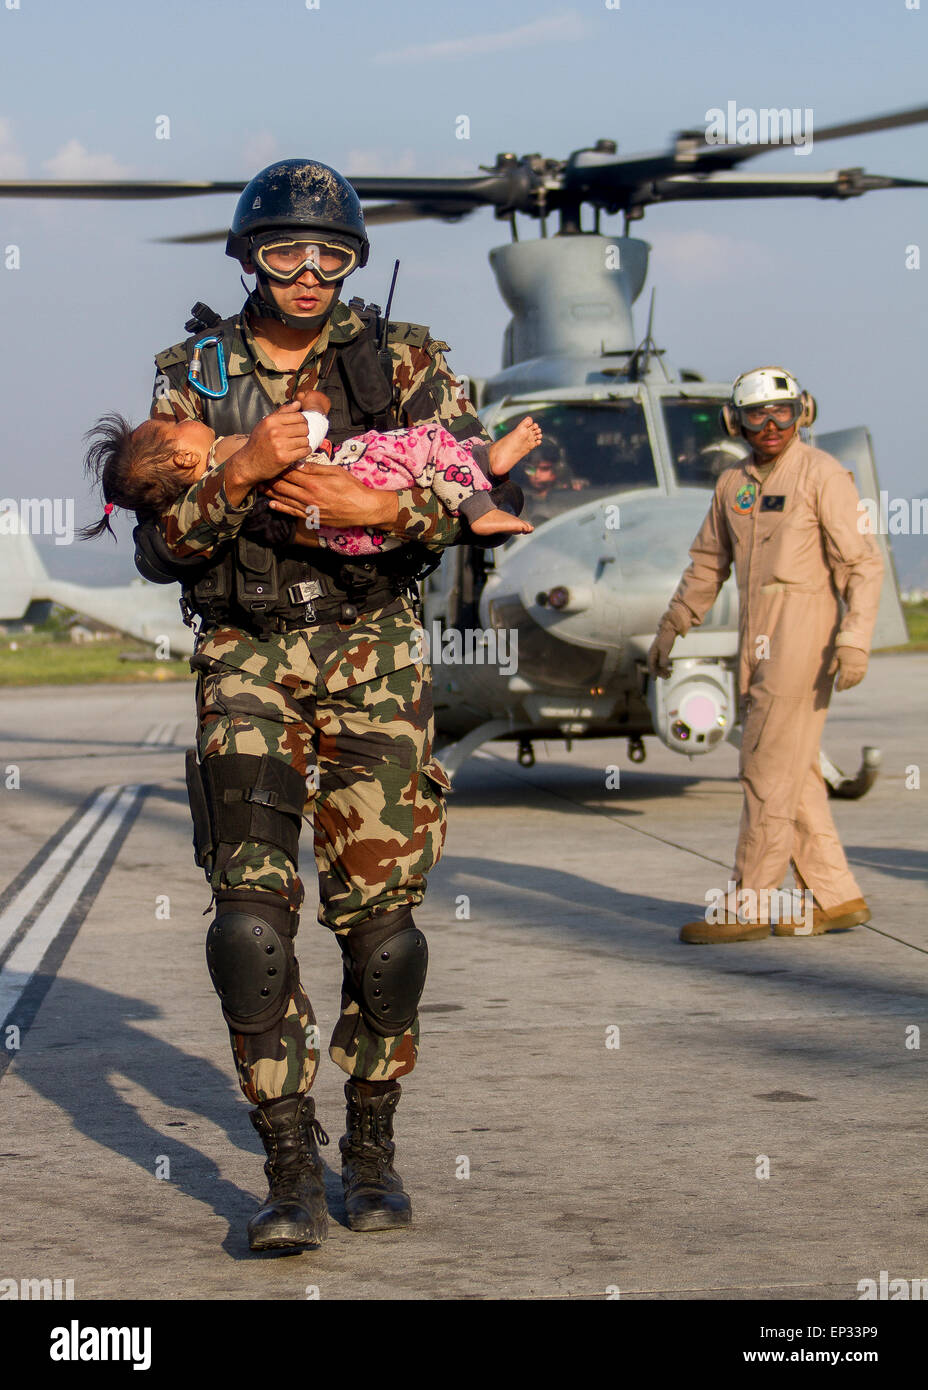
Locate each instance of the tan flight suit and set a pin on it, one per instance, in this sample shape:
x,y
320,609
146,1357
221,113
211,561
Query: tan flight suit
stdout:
x,y
794,539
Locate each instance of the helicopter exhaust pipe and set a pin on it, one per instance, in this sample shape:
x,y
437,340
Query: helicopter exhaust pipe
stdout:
x,y
570,295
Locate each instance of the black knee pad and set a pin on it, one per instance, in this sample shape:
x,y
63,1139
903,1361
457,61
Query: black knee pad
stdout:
x,y
386,959
249,955
236,797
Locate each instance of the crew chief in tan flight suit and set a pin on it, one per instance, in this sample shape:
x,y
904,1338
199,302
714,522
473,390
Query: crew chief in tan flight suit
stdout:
x,y
788,518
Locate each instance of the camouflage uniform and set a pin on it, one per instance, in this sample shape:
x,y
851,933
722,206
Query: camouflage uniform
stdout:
x,y
349,707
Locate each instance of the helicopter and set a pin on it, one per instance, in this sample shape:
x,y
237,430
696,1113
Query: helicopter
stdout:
x,y
546,638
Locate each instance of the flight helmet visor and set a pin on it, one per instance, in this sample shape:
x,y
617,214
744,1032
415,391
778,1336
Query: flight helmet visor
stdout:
x,y
783,414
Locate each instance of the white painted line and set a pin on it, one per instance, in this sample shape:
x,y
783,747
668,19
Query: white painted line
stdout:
x,y
25,960
163,733
30,892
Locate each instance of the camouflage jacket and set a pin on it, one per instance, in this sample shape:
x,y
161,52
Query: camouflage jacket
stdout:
x,y
425,384
201,519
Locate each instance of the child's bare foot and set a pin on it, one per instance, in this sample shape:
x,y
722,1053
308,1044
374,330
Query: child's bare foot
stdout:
x,y
496,520
507,452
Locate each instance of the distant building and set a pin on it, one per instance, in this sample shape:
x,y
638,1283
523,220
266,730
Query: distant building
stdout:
x,y
93,629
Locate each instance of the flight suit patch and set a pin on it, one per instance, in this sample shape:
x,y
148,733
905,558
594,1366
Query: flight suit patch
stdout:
x,y
744,497
772,502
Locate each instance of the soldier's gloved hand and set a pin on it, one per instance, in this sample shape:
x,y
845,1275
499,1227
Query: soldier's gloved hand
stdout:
x,y
851,665
659,654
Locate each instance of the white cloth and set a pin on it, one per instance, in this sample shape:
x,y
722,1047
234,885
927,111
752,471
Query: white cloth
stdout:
x,y
318,426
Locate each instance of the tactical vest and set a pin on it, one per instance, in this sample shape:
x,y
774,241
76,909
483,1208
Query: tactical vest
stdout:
x,y
263,589
357,377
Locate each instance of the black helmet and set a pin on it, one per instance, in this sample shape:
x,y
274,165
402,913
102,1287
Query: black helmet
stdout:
x,y
298,193
550,450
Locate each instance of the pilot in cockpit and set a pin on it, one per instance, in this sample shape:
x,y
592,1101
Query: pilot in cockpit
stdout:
x,y
546,470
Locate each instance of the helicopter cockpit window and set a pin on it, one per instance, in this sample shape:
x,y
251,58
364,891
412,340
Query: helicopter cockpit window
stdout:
x,y
699,446
587,451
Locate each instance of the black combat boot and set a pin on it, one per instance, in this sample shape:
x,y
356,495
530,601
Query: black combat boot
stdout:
x,y
374,1196
295,1211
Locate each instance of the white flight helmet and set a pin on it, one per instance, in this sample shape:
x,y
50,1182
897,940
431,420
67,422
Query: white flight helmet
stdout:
x,y
766,386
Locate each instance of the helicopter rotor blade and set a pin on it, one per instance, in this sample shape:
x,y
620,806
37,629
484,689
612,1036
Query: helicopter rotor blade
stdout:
x,y
592,176
536,187
378,216
441,196
894,120
494,189
382,214
116,188
833,183
192,238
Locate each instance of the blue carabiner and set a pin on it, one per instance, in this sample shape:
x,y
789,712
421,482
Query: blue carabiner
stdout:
x,y
196,367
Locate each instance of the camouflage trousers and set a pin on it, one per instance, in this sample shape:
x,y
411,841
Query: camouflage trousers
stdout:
x,y
375,800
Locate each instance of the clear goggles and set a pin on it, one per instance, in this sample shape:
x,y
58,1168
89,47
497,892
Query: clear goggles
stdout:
x,y
285,259
782,413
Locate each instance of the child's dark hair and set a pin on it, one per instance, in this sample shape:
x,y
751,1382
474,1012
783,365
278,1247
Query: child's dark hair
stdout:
x,y
132,468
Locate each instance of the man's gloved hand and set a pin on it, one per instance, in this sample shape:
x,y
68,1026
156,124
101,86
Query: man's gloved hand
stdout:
x,y
659,653
851,665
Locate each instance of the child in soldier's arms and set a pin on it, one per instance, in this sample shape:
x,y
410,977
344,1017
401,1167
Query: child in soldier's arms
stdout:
x,y
149,467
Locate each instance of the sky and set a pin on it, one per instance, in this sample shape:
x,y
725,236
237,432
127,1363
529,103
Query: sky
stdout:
x,y
377,87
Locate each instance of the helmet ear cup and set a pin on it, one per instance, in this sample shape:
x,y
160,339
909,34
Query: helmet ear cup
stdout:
x,y
809,411
728,417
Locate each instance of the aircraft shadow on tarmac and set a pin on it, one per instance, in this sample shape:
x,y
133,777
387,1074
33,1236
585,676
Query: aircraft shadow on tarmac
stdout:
x,y
503,783
897,863
614,922
107,1044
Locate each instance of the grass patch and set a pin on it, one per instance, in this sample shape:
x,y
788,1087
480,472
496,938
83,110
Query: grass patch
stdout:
x,y
51,658
916,616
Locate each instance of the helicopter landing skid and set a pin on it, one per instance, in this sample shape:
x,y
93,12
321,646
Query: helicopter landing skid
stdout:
x,y
836,783
851,788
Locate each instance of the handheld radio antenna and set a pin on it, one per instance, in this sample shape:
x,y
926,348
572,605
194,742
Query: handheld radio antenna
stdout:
x,y
386,314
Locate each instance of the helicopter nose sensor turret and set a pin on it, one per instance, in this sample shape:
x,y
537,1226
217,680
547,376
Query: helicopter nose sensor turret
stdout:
x,y
693,710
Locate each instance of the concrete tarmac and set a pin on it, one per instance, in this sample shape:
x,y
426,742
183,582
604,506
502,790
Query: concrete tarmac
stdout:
x,y
599,1110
